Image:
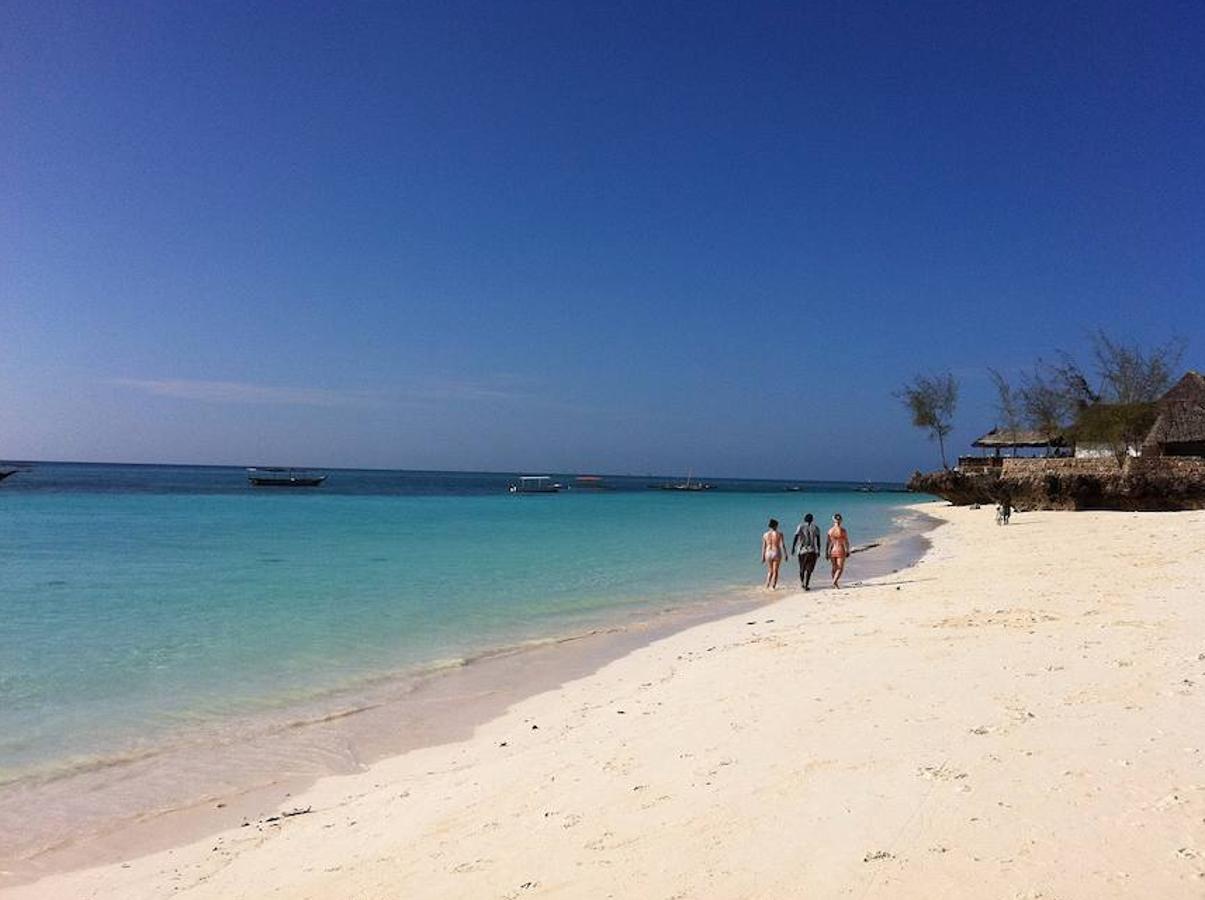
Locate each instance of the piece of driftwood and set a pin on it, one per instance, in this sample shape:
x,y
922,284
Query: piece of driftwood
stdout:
x,y
288,814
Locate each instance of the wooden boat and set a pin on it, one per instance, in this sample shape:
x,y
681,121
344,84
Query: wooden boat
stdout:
x,y
535,484
277,477
688,485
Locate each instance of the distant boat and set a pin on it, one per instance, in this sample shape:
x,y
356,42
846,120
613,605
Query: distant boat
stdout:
x,y
276,477
590,483
688,485
4,473
867,488
793,489
535,484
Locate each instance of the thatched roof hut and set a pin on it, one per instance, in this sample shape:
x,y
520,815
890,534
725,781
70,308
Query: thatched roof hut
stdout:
x,y
999,439
1179,428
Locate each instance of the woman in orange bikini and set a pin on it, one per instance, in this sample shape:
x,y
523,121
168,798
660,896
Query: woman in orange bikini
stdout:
x,y
836,549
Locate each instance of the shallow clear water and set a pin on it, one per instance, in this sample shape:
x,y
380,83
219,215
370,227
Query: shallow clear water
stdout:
x,y
138,601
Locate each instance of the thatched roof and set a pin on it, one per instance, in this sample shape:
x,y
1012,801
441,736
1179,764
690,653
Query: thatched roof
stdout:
x,y
1190,389
1181,417
999,437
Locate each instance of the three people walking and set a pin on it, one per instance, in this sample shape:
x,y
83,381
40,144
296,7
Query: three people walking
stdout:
x,y
806,546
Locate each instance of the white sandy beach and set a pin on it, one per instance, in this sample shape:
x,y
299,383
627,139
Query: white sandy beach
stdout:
x,y
1020,715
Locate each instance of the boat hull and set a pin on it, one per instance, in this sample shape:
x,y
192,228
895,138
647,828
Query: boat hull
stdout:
x,y
277,477
287,482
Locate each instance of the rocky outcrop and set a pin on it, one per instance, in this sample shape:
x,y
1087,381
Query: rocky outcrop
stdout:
x,y
1144,483
960,488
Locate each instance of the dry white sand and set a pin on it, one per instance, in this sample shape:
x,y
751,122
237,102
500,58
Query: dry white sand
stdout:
x,y
1022,715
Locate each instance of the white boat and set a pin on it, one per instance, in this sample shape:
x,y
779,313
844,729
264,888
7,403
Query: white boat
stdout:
x,y
535,484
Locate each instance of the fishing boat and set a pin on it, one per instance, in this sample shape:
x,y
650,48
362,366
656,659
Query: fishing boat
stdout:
x,y
277,477
535,484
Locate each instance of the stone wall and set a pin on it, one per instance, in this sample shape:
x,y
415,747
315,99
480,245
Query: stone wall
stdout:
x,y
1150,483
1177,466
1029,468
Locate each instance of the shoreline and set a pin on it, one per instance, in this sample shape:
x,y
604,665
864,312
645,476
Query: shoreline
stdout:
x,y
436,706
969,725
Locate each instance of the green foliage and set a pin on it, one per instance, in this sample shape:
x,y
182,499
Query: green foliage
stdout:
x,y
931,401
1119,425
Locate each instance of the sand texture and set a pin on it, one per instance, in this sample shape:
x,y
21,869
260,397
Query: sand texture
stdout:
x,y
1020,715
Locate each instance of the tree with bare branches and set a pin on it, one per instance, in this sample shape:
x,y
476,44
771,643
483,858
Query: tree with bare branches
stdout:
x,y
1008,402
1115,407
1043,404
1130,374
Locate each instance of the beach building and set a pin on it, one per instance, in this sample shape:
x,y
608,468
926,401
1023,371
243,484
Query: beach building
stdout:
x,y
1012,443
1102,450
1179,428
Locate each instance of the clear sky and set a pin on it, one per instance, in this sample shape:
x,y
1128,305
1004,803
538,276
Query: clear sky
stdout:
x,y
622,237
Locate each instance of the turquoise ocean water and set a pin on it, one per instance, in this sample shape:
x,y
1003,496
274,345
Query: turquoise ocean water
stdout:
x,y
136,602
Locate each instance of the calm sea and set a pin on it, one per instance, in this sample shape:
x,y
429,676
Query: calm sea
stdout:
x,y
139,601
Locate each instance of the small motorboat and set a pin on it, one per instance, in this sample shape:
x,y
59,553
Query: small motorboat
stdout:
x,y
277,477
535,484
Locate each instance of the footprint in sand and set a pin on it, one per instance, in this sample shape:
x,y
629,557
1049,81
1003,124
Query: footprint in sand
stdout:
x,y
1171,801
940,773
474,866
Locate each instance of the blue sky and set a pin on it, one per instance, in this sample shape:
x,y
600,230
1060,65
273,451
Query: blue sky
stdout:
x,y
624,237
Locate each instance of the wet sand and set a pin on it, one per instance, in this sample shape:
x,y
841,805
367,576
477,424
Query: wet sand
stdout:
x,y
181,793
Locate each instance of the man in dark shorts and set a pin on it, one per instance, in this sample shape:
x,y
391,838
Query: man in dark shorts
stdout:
x,y
807,545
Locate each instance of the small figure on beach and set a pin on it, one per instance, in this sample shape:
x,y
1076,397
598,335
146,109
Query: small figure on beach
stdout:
x,y
773,549
836,548
1004,511
806,545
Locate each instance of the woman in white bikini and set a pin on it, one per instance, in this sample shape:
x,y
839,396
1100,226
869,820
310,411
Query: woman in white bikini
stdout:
x,y
773,550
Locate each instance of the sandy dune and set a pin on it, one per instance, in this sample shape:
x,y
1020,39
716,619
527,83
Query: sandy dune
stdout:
x,y
1020,715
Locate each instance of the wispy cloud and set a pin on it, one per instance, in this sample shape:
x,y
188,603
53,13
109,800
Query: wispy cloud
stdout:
x,y
438,390
502,387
